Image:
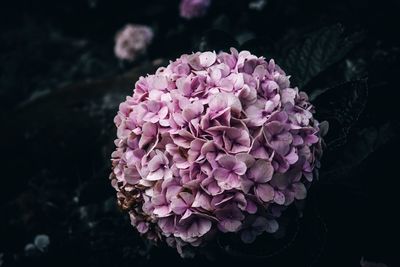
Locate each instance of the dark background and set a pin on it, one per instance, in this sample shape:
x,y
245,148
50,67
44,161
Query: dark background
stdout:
x,y
60,85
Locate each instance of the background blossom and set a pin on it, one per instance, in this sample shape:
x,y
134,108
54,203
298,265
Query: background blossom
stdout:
x,y
193,8
132,41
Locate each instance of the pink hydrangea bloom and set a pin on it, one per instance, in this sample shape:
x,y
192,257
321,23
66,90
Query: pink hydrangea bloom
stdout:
x,y
213,143
193,8
132,41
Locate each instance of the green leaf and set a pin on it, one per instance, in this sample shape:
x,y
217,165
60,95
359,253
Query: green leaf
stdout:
x,y
363,144
316,53
341,106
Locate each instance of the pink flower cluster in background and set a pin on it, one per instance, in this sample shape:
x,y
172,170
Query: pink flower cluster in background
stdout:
x,y
213,143
132,41
193,8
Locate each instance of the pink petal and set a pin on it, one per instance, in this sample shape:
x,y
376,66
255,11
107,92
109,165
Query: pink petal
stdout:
x,y
300,191
265,192
214,188
292,157
251,207
178,206
157,175
207,59
192,111
186,214
227,162
220,174
166,224
132,175
255,115
194,61
240,168
193,230
288,95
159,82
204,226
155,163
246,159
172,191
261,171
183,138
201,201
187,198
260,71
247,185
230,182
161,211
279,198
162,113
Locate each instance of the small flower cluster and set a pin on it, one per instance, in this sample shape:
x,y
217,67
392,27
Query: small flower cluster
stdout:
x,y
193,8
213,143
132,41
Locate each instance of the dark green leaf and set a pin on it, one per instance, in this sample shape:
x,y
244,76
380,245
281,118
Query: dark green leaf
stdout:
x,y
316,53
363,144
341,106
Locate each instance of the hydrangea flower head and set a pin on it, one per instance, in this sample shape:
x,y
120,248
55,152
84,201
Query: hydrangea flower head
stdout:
x,y
132,41
213,143
193,8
